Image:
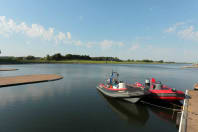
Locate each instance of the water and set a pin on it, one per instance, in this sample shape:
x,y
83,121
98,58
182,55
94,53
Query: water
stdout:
x,y
74,104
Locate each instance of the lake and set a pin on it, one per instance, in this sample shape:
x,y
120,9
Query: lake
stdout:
x,y
74,104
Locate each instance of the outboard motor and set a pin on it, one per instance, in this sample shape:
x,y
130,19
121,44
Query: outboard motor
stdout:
x,y
147,83
158,86
122,85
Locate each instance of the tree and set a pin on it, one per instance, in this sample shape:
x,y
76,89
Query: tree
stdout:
x,y
69,56
57,56
30,57
47,57
161,61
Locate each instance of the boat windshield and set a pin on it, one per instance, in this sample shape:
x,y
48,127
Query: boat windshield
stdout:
x,y
113,79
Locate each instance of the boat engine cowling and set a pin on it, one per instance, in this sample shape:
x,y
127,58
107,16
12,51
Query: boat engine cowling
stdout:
x,y
122,85
147,83
158,86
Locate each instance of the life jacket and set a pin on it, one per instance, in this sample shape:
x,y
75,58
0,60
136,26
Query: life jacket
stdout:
x,y
138,84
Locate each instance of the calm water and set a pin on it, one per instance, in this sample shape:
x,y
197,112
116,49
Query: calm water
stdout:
x,y
74,104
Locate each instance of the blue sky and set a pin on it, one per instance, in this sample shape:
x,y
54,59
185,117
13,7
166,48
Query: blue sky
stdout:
x,y
128,29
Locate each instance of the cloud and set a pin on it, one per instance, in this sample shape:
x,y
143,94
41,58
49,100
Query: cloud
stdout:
x,y
78,43
187,32
60,37
90,44
107,44
134,47
10,27
68,35
120,44
174,27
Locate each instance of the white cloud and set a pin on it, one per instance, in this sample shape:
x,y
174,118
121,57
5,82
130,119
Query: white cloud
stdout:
x,y
106,44
174,27
10,27
60,37
187,32
134,47
90,44
78,43
68,35
120,44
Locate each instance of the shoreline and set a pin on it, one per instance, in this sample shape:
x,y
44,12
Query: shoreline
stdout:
x,y
78,62
192,66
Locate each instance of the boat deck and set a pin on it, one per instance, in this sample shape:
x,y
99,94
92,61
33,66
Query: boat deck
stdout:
x,y
27,79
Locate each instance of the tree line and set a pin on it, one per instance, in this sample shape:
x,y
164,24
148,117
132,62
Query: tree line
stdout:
x,y
60,57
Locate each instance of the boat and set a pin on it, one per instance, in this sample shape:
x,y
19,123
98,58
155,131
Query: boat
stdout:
x,y
118,89
160,91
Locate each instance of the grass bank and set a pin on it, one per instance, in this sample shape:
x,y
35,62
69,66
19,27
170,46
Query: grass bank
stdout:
x,y
77,62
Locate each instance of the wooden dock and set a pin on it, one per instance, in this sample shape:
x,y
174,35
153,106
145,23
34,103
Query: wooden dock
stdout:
x,y
7,69
189,117
196,86
27,79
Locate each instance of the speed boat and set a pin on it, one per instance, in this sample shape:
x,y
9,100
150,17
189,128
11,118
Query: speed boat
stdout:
x,y
118,89
160,91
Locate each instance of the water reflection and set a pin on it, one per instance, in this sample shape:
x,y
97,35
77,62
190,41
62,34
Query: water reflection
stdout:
x,y
166,115
133,113
139,113
163,109
31,92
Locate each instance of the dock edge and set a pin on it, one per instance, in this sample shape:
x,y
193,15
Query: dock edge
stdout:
x,y
184,115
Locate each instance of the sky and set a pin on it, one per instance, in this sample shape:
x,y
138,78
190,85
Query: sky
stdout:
x,y
128,29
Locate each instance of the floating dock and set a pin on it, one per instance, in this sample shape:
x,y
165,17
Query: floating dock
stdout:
x,y
189,116
7,69
27,79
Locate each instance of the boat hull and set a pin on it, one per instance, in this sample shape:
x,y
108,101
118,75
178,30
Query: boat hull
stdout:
x,y
165,93
167,96
126,95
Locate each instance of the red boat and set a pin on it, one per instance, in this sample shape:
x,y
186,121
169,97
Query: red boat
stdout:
x,y
160,91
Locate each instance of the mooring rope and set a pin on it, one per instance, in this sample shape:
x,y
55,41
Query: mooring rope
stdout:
x,y
161,107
